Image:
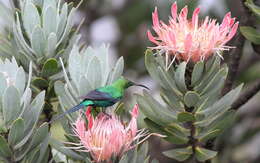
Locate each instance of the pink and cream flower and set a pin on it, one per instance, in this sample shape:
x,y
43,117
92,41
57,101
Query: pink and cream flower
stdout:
x,y
193,39
106,136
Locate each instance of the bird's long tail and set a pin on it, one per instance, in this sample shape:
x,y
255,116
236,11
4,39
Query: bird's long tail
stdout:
x,y
71,110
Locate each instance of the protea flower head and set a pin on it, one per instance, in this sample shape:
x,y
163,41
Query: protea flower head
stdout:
x,y
191,39
106,136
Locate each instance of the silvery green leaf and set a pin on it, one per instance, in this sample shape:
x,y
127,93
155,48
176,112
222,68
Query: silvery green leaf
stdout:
x,y
43,149
29,75
94,71
3,85
142,153
165,113
253,7
50,68
191,98
223,103
16,132
171,99
11,104
58,156
38,2
3,128
6,13
103,56
49,3
34,111
180,154
76,63
219,108
85,86
197,72
67,79
64,100
72,99
87,160
33,155
40,82
31,18
217,126
149,107
62,20
88,54
117,71
178,129
18,34
220,76
59,146
203,154
59,88
49,21
171,136
180,77
185,117
39,135
20,80
209,135
7,49
212,67
68,26
38,41
31,116
169,83
5,150
152,66
52,41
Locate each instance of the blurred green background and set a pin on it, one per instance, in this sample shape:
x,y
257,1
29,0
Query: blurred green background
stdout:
x,y
123,25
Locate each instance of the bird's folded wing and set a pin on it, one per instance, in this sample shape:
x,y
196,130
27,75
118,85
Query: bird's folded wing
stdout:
x,y
96,95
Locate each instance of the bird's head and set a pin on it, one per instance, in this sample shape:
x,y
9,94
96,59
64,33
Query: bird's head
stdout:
x,y
125,83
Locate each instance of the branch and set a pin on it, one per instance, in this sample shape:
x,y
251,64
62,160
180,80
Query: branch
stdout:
x,y
247,95
237,52
234,63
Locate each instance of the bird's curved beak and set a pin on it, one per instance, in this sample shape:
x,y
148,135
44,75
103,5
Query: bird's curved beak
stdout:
x,y
140,85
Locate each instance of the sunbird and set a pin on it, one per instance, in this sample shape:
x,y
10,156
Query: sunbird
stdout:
x,y
103,96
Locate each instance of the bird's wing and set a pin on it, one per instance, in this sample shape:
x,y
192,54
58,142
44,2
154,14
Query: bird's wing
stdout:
x,y
97,95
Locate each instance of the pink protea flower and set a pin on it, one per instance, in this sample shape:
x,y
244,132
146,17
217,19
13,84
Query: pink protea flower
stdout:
x,y
191,39
106,136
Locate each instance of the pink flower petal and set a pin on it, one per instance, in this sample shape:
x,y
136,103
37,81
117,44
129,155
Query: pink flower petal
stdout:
x,y
232,32
188,39
151,38
108,136
172,38
188,43
155,18
195,18
174,10
184,13
135,111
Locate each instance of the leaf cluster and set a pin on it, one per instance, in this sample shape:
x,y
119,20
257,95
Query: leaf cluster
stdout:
x,y
193,111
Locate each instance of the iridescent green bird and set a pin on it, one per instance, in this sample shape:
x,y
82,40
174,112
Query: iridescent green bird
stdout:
x,y
104,96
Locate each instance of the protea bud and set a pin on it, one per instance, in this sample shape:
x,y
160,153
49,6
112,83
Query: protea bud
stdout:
x,y
193,39
106,136
19,116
